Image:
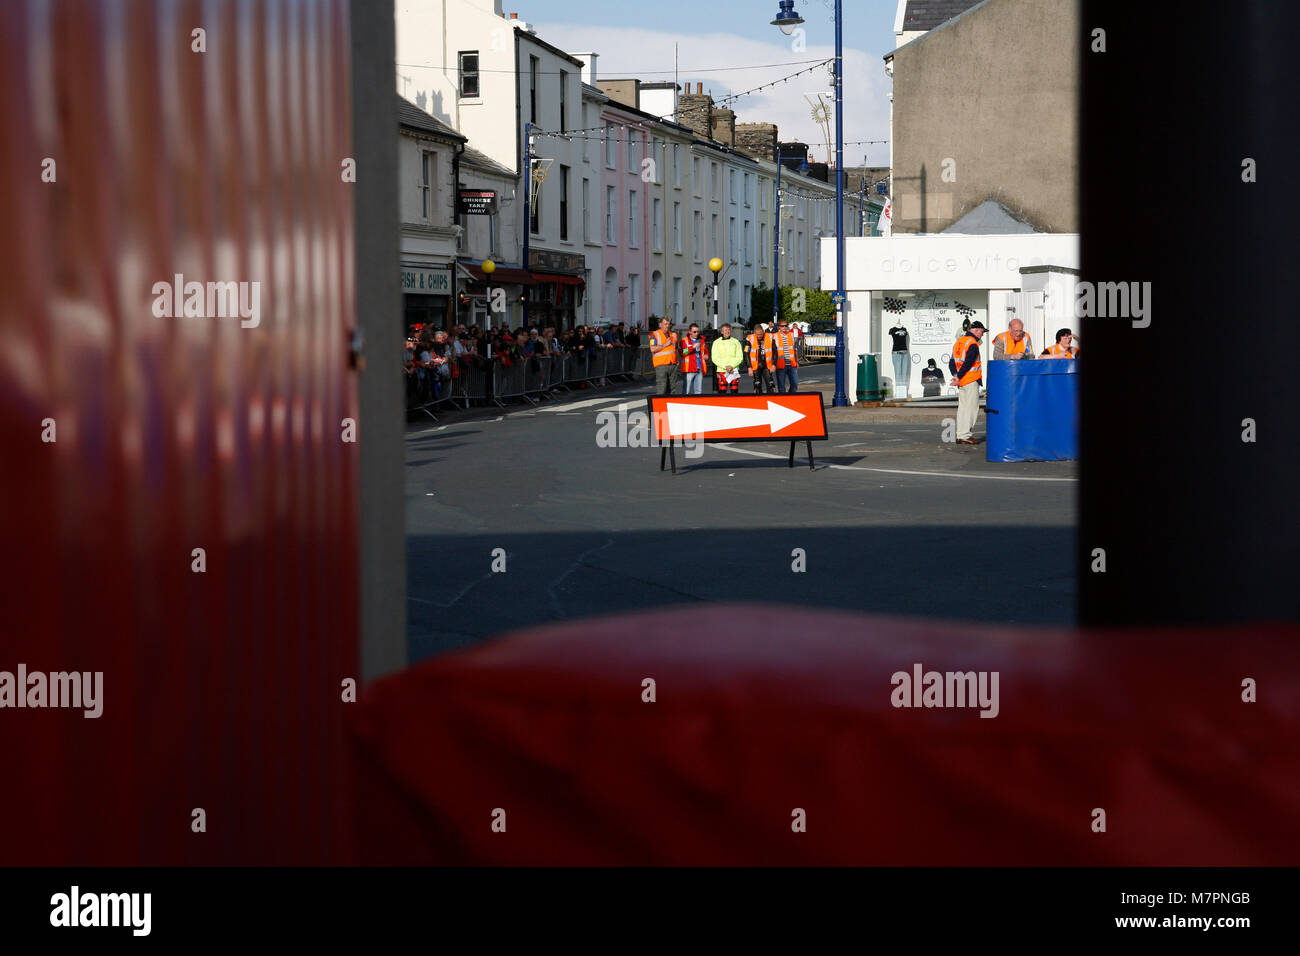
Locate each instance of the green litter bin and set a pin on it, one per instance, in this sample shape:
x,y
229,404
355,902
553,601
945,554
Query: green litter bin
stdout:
x,y
869,389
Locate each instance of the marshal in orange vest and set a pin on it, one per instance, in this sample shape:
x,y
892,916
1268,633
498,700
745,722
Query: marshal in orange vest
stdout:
x,y
663,348
1011,347
785,345
974,373
760,341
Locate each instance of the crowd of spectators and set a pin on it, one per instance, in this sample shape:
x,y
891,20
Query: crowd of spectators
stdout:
x,y
435,357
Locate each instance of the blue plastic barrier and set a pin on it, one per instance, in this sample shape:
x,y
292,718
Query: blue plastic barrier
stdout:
x,y
1032,410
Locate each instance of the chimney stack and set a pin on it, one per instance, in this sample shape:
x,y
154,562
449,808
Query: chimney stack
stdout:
x,y
723,126
756,140
695,111
588,67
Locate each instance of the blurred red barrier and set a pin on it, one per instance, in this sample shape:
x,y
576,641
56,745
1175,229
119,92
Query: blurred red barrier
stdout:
x,y
130,155
762,711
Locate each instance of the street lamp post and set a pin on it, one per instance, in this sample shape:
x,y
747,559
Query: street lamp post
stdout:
x,y
715,266
528,216
787,20
862,202
488,267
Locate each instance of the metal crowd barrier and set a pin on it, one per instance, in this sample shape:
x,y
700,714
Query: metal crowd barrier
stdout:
x,y
531,380
470,386
508,382
433,392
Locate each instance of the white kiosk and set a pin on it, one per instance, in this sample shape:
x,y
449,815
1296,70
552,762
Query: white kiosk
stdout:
x,y
930,283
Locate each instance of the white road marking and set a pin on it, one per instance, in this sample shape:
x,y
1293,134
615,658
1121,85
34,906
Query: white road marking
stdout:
x,y
895,471
427,431
573,405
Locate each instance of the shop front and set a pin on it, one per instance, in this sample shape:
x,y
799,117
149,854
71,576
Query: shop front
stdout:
x,y
426,296
556,298
491,300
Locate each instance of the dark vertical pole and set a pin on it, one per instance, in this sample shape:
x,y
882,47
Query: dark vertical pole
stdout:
x,y
382,528
840,399
528,213
776,242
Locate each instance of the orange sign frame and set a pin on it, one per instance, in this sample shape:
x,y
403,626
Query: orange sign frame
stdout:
x,y
795,416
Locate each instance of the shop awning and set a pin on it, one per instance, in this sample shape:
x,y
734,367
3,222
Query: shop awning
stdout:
x,y
501,276
559,279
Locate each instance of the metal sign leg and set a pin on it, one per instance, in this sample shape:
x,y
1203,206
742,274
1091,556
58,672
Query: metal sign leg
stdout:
x,y
811,466
666,453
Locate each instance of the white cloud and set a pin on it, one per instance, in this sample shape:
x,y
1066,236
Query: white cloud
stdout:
x,y
625,50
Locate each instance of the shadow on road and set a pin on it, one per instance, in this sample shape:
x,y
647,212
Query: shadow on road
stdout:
x,y
994,574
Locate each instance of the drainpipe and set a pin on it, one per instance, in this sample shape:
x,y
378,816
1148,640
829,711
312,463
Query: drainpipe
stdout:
x,y
455,205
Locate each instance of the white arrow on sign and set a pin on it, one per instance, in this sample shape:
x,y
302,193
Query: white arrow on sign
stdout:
x,y
684,419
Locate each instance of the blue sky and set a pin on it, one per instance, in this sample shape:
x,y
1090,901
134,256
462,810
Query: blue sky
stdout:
x,y
634,38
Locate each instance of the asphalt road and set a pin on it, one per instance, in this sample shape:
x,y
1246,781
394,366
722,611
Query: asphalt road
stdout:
x,y
893,520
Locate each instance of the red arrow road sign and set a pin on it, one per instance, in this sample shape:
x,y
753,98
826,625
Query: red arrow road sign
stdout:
x,y
794,417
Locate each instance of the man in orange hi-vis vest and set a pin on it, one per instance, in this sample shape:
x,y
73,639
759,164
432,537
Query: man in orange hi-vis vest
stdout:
x,y
967,374
663,354
760,359
1014,343
785,353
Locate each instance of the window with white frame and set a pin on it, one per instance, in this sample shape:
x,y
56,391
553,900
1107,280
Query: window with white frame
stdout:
x,y
611,215
677,300
715,184
749,249
564,203
632,163
532,89
658,224
611,145
803,252
697,229
762,195
586,210
469,76
656,158
713,237
632,231
677,228
733,250
564,100
731,186
677,165
535,219
633,298
762,239
695,175
428,173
